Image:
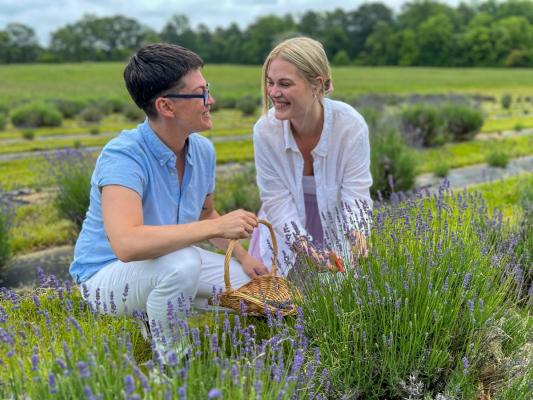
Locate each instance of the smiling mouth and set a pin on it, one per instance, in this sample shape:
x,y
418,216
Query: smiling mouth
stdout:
x,y
280,104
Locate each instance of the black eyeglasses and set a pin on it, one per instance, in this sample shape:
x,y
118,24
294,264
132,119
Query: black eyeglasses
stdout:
x,y
204,95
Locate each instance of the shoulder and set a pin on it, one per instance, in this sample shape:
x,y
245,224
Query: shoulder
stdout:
x,y
345,113
201,143
348,124
128,144
268,127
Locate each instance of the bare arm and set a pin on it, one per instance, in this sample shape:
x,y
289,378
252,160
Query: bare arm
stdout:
x,y
131,240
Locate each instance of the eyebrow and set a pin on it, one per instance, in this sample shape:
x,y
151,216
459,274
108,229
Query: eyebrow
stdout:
x,y
281,79
201,86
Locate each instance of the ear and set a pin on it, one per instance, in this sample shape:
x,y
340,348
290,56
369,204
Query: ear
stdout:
x,y
319,84
164,107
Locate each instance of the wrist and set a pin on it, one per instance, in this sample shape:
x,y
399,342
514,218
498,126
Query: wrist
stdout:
x,y
212,228
240,253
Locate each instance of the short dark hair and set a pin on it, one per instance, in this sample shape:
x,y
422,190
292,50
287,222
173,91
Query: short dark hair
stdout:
x,y
156,68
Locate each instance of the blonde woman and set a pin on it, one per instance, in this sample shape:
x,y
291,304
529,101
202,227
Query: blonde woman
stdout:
x,y
312,155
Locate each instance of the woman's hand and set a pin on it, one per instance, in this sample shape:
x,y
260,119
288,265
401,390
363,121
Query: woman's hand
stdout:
x,y
253,267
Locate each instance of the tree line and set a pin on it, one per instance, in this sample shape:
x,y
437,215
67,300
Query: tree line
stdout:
x,y
422,33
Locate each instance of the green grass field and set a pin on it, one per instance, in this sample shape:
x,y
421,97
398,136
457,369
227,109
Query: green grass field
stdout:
x,y
96,80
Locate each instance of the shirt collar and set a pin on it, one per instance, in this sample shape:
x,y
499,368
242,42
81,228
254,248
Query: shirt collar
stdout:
x,y
160,150
321,148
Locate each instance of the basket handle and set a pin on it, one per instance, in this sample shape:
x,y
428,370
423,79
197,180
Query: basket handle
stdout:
x,y
232,244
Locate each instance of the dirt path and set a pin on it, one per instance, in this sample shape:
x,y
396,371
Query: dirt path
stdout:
x,y
479,173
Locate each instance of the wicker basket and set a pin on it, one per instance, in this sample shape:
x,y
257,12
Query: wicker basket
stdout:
x,y
265,291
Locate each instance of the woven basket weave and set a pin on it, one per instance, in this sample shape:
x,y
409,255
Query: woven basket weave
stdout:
x,y
261,293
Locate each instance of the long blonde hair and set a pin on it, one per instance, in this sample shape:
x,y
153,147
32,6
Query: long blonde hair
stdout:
x,y
309,58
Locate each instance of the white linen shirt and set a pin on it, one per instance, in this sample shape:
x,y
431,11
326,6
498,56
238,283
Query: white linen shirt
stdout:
x,y
341,165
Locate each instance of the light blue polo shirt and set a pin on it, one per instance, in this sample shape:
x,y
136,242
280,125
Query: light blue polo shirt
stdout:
x,y
139,160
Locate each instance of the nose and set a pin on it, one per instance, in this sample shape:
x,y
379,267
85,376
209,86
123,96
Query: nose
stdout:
x,y
210,100
273,92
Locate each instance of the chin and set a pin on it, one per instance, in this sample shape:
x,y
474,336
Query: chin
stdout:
x,y
282,114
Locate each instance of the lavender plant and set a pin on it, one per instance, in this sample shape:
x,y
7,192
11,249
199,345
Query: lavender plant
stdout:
x,y
70,170
55,345
6,217
439,273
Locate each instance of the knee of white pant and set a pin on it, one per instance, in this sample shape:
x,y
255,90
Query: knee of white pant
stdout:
x,y
182,267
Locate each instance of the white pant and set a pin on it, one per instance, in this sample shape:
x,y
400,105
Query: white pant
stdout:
x,y
189,273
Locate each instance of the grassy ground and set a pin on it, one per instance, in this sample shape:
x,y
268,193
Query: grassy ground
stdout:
x,y
25,173
462,154
507,124
95,80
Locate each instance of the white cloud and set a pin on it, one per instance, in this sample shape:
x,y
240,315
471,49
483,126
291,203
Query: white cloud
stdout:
x,y
45,16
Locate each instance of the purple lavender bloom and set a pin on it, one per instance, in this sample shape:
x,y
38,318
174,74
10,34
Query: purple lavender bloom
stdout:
x,y
182,394
258,387
129,384
75,324
466,280
466,365
235,373
83,369
112,303
471,305
196,337
125,293
61,363
398,303
214,394
35,360
88,393
36,301
52,387
214,343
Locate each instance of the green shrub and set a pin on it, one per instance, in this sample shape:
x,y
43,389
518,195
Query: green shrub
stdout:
x,y
461,122
70,171
4,109
391,165
68,108
94,130
441,169
133,113
36,114
226,103
518,127
6,217
507,99
91,114
114,104
3,121
28,134
77,144
371,116
497,158
237,191
247,105
341,58
422,126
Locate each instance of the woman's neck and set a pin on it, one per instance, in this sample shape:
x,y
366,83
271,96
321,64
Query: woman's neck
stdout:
x,y
310,126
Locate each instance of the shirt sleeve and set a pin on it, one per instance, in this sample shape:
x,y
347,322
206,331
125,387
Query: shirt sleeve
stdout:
x,y
119,167
276,200
356,182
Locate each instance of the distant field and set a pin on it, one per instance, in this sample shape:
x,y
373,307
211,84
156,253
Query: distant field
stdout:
x,y
94,80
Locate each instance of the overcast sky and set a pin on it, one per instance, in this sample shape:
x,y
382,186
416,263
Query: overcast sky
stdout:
x,y
45,16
